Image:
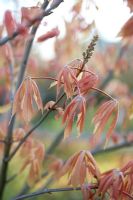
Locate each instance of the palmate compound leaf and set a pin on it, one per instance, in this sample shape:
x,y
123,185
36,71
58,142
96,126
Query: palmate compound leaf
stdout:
x,y
87,82
80,167
76,107
117,183
33,159
101,118
67,78
25,97
111,182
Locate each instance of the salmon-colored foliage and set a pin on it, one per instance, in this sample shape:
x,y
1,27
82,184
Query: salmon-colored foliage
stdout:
x,y
81,168
10,23
118,184
127,30
76,107
34,159
56,166
18,134
113,183
8,54
12,26
101,118
30,14
130,137
50,34
76,64
67,77
127,170
51,105
27,147
24,100
74,82
130,4
87,82
88,192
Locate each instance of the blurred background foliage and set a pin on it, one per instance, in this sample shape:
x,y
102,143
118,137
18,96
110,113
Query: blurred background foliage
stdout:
x,y
112,61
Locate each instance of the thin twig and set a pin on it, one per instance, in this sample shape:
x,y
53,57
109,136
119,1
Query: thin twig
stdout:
x,y
26,187
4,165
49,191
104,93
113,148
45,78
55,190
128,195
11,67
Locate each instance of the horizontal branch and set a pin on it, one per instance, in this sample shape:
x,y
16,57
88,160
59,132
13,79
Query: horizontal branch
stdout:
x,y
49,191
55,190
113,148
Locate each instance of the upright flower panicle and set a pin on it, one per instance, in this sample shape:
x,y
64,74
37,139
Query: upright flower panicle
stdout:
x,y
81,167
76,107
24,100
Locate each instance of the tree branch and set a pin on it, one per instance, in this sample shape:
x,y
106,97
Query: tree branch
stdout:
x,y
49,191
113,148
55,190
